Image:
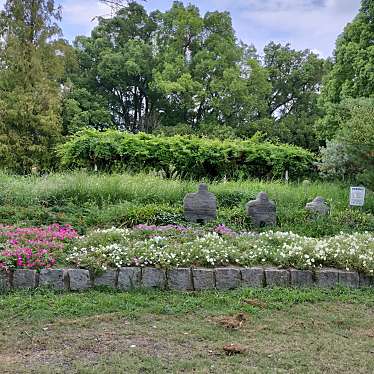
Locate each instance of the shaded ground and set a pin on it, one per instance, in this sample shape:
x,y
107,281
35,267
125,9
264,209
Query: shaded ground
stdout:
x,y
107,332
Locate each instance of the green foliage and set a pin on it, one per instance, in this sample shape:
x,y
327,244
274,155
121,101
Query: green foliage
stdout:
x,y
167,247
180,72
295,78
100,200
116,68
82,109
335,163
190,157
352,74
357,135
351,154
29,93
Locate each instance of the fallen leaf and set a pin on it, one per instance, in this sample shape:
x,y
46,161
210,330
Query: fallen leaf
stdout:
x,y
255,303
231,322
232,349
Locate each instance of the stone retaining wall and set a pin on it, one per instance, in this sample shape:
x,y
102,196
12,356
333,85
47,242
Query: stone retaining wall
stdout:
x,y
182,279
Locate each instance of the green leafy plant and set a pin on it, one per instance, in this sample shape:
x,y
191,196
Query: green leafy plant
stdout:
x,y
187,157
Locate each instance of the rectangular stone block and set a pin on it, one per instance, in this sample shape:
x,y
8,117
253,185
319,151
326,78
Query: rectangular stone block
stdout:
x,y
301,278
153,278
180,279
277,277
327,278
203,279
349,279
129,278
227,278
253,277
366,280
24,278
108,278
79,279
53,278
4,281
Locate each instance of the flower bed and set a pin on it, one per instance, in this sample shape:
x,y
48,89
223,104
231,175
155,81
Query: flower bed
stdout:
x,y
178,246
33,247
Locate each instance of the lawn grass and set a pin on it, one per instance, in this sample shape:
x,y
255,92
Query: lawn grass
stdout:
x,y
99,200
101,331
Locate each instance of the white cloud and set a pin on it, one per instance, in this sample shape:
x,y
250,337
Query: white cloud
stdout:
x,y
282,5
343,6
79,17
306,24
82,12
313,24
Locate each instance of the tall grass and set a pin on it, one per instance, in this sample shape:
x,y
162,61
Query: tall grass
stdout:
x,y
81,187
86,200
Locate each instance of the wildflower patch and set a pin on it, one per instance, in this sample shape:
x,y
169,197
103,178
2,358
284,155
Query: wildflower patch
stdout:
x,y
180,247
33,247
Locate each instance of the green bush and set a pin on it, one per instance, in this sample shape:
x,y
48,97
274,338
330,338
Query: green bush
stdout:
x,y
188,157
350,154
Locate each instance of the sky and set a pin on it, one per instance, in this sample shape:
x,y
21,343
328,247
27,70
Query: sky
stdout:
x,y
305,24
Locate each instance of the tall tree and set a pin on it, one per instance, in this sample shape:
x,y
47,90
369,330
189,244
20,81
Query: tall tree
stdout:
x,y
31,61
350,154
168,68
180,71
296,79
206,77
352,73
116,65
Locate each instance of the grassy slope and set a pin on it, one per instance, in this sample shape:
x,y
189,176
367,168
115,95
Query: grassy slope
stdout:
x,y
300,331
87,200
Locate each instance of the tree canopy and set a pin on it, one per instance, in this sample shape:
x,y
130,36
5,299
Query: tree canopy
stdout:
x,y
178,72
164,68
182,72
31,66
352,73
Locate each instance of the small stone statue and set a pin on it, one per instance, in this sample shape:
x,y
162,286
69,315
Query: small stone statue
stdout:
x,y
200,207
262,211
319,206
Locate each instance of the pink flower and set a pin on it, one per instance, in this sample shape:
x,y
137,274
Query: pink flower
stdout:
x,y
32,247
223,230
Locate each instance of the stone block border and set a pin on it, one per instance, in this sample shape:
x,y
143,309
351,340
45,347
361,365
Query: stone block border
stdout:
x,y
182,279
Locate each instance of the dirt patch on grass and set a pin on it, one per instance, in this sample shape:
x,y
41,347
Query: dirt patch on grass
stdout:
x,y
323,337
89,339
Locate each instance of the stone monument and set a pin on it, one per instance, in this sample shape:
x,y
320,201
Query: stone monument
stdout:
x,y
200,207
319,206
262,211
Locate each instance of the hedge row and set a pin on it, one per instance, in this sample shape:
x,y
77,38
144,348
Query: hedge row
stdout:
x,y
187,157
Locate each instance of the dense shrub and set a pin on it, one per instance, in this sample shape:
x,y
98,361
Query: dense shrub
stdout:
x,y
350,154
189,157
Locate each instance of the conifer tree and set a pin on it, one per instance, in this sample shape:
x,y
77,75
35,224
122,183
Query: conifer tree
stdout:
x,y
31,60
